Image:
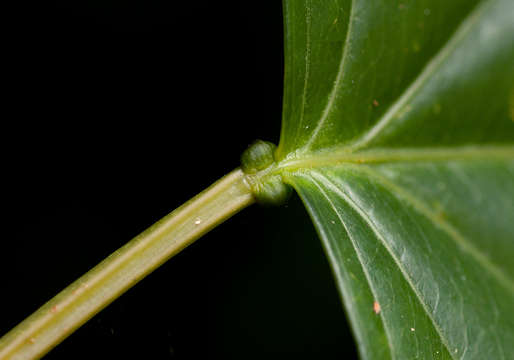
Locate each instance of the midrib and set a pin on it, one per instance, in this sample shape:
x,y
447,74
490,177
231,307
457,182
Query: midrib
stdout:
x,y
335,157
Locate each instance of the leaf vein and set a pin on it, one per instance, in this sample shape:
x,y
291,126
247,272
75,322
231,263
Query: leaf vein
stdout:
x,y
442,224
385,155
379,236
308,20
361,261
427,72
339,77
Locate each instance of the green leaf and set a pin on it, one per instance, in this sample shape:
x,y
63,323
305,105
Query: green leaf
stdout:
x,y
398,135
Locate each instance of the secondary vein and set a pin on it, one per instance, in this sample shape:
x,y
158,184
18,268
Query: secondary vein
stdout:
x,y
442,224
339,78
327,182
426,74
308,20
361,261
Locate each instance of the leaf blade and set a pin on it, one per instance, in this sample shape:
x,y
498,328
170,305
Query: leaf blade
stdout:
x,y
448,281
484,28
403,341
433,105
381,68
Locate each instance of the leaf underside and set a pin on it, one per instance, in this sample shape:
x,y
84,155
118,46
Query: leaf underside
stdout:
x,y
398,135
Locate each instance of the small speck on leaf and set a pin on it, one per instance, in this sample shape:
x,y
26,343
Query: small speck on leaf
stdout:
x,y
376,307
412,329
198,221
375,103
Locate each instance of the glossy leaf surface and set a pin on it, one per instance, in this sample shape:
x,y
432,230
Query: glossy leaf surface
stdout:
x,y
398,135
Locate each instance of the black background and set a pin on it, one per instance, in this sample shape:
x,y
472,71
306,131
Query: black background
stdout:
x,y
115,113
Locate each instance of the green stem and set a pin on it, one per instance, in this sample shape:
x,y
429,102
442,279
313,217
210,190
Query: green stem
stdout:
x,y
80,301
